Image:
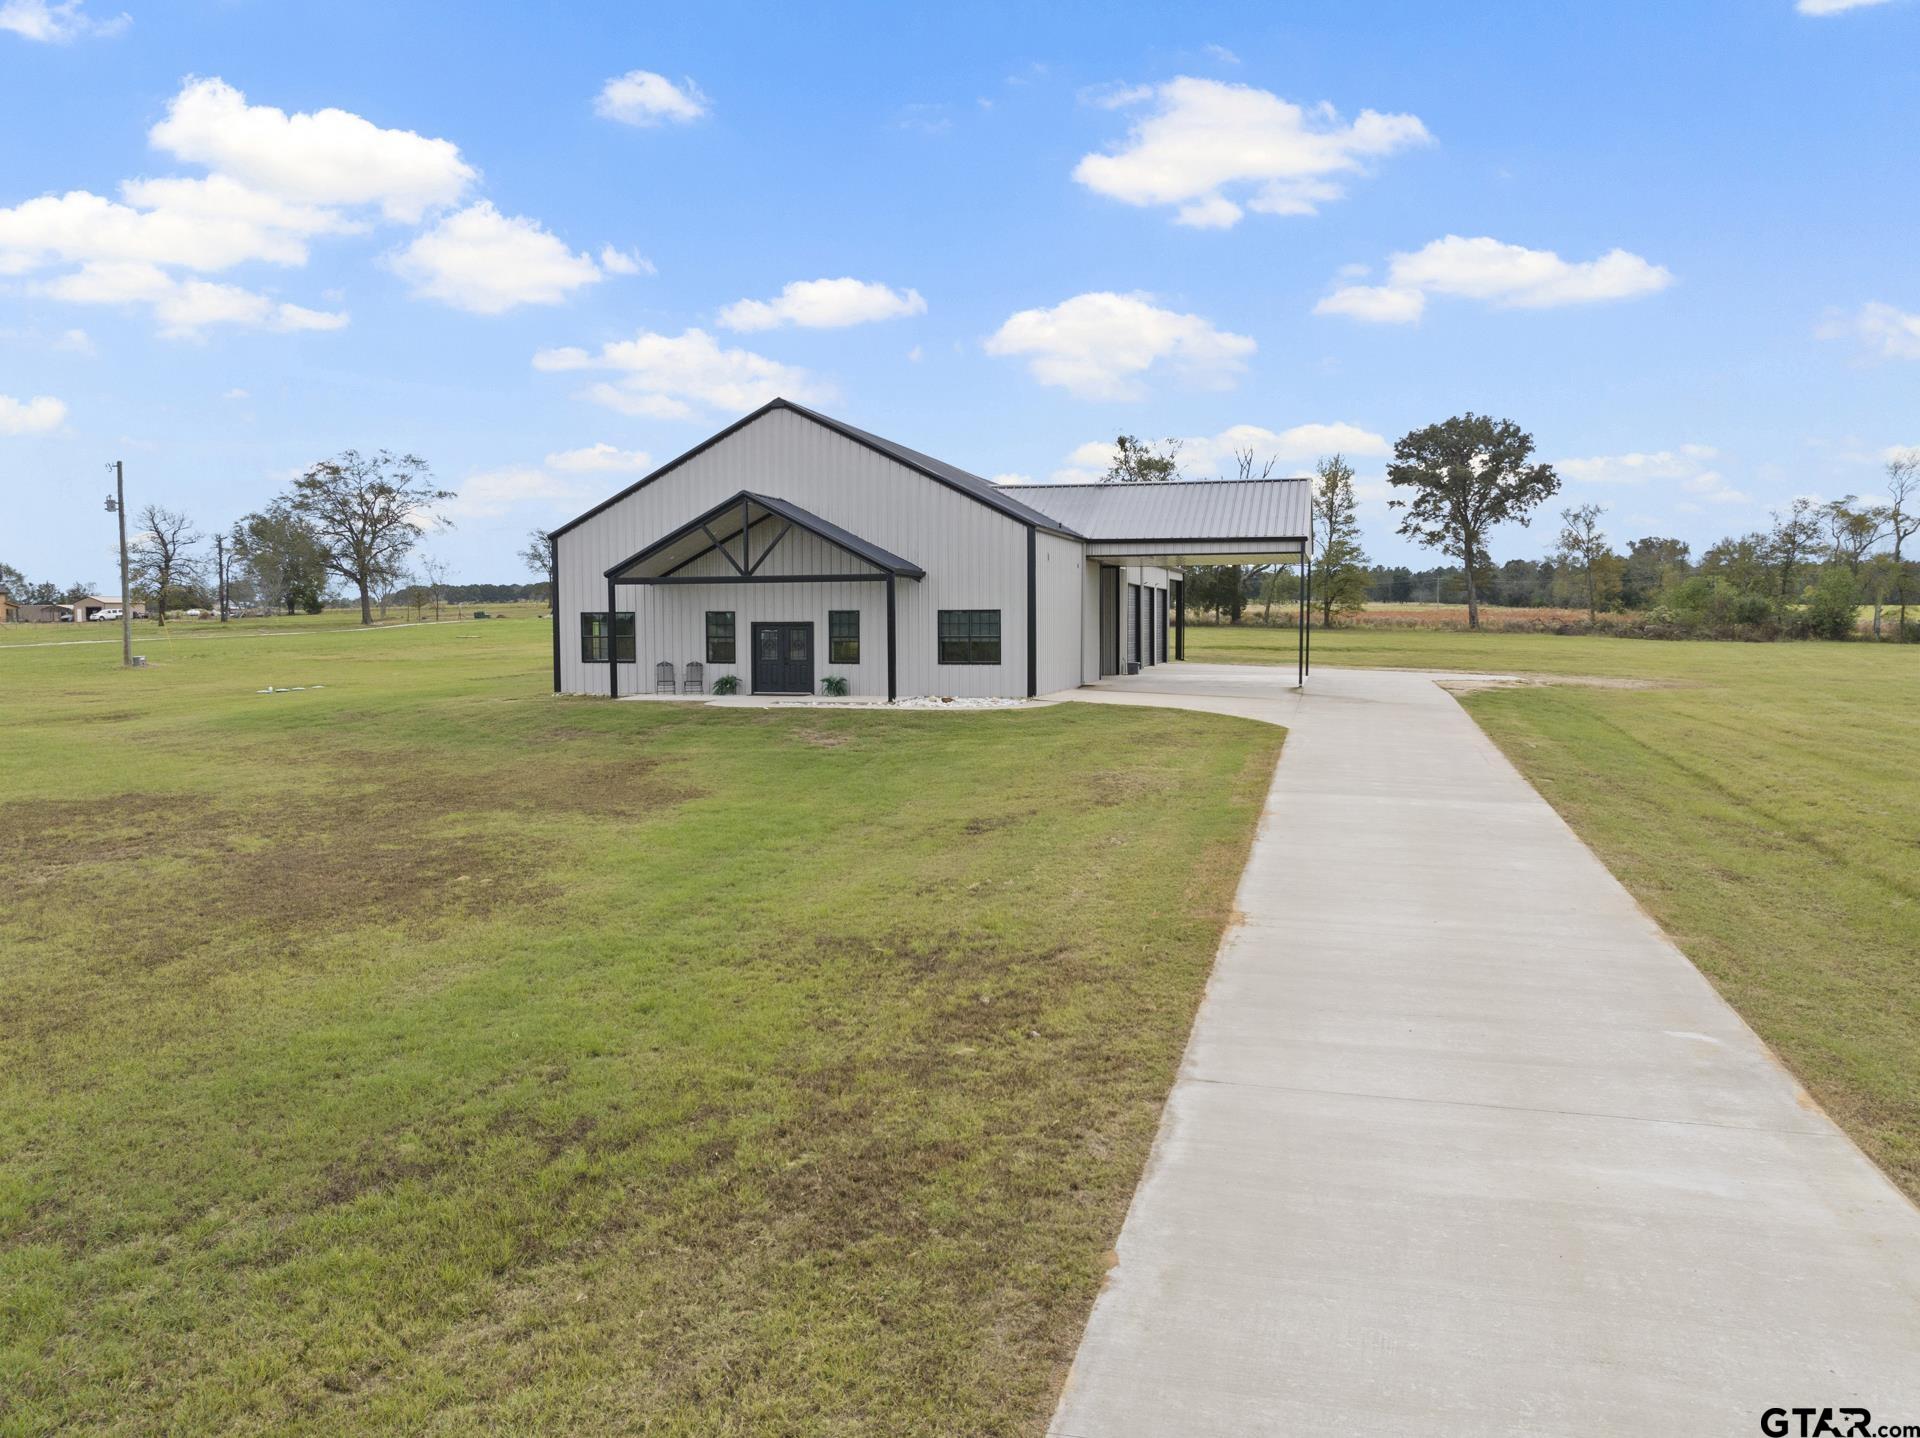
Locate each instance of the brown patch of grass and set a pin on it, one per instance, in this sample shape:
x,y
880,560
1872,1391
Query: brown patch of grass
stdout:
x,y
291,869
50,834
822,738
1479,682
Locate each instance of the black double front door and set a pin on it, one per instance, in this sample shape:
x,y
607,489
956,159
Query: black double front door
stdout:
x,y
783,658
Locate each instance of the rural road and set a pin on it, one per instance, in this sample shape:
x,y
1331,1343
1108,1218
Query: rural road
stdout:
x,y
1462,1144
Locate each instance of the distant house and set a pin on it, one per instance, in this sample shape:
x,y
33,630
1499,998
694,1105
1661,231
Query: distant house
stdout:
x,y
9,611
791,546
45,613
88,606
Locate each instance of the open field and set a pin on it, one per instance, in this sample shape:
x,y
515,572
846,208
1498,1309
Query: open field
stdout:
x,y
1494,619
147,633
1761,801
425,1053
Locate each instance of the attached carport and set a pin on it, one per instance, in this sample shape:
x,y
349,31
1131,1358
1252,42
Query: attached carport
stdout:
x,y
1182,523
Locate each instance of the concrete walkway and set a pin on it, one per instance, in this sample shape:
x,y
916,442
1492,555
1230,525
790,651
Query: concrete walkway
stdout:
x,y
1462,1144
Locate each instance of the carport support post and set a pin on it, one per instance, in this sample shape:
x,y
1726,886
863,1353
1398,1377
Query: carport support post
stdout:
x,y
1309,631
890,648
613,649
1180,618
1300,628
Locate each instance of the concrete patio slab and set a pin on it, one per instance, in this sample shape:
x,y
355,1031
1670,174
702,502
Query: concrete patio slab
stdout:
x,y
1462,1144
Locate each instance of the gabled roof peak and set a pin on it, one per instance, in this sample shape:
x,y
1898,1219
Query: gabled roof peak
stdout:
x,y
972,485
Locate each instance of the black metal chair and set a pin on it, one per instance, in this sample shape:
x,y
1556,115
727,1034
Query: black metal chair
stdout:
x,y
696,680
663,678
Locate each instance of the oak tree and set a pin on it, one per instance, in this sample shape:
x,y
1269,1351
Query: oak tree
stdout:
x,y
368,512
1461,477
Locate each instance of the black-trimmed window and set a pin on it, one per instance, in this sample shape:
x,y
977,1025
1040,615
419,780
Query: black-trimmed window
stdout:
x,y
843,636
969,636
593,636
719,636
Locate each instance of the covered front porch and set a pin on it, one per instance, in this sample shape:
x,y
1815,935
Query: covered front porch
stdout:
x,y
758,575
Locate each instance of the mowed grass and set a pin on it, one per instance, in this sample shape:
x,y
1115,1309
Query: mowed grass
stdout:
x,y
424,1053
1762,801
152,638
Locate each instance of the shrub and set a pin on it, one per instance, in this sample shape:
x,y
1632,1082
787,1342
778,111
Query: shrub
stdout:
x,y
1748,608
834,686
1832,610
727,684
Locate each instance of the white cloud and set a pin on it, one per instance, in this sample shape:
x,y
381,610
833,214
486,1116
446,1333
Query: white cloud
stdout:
x,y
1687,470
1689,461
492,493
1712,487
1833,7
330,157
184,307
198,225
1884,332
823,304
640,97
597,458
1098,345
1222,54
1511,276
30,416
676,376
56,21
75,341
1205,136
1208,455
625,262
1012,477
1376,304
276,181
485,262
1486,269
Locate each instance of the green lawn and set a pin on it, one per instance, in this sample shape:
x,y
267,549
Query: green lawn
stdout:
x,y
1763,803
424,1053
150,637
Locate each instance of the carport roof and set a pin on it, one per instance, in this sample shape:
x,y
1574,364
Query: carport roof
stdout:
x,y
1255,512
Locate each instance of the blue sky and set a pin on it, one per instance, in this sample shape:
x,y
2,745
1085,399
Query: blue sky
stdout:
x,y
1676,242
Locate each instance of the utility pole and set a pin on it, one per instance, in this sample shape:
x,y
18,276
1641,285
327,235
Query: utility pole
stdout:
x,y
220,573
117,504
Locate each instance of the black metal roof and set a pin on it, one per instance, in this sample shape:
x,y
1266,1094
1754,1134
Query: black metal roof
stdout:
x,y
972,485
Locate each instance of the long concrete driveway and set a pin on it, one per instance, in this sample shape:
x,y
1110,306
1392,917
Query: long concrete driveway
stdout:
x,y
1462,1144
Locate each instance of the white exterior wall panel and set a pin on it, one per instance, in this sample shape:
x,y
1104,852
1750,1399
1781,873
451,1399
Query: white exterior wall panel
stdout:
x,y
974,557
1060,588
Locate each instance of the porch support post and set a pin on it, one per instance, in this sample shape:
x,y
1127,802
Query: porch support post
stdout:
x,y
1033,614
1309,634
1180,618
613,649
891,679
553,604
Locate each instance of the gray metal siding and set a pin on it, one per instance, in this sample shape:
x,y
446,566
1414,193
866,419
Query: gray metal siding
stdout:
x,y
1059,585
975,558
